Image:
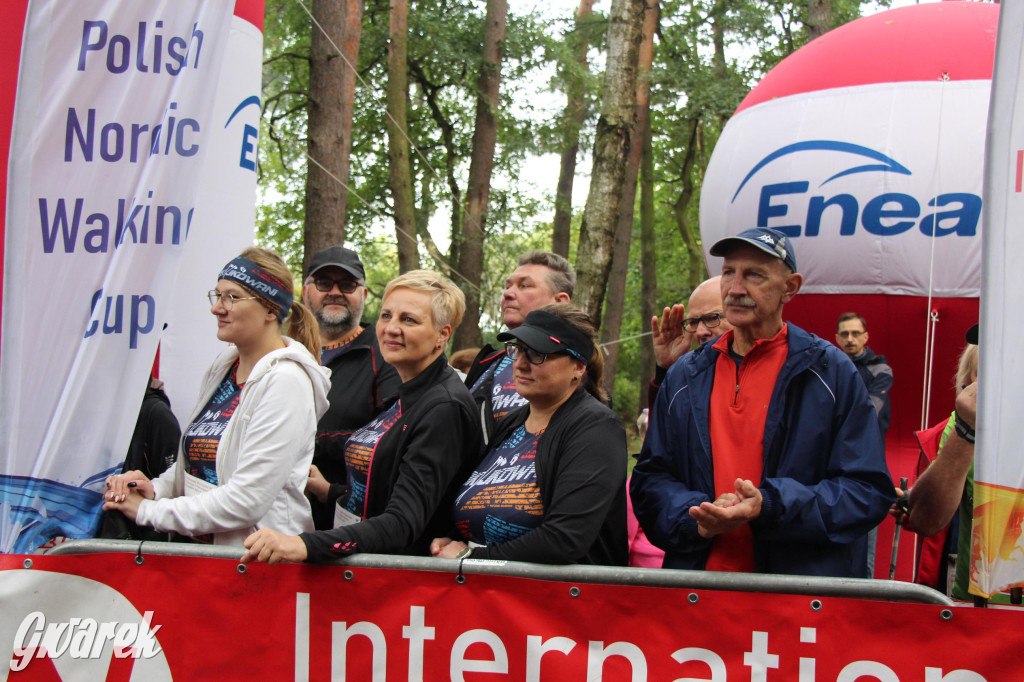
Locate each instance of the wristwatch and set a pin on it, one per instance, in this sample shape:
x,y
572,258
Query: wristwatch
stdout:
x,y
464,553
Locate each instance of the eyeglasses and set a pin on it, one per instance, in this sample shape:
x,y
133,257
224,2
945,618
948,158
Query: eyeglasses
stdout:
x,y
846,335
345,286
710,320
226,298
512,350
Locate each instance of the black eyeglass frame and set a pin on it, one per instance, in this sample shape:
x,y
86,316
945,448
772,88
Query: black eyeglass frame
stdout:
x,y
512,350
710,320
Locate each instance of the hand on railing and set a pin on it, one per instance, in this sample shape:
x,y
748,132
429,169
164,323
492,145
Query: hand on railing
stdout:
x,y
272,547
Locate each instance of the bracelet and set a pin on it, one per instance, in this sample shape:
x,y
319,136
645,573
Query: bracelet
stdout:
x,y
464,553
963,429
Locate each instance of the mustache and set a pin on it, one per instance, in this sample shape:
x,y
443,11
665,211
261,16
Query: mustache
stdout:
x,y
741,301
336,300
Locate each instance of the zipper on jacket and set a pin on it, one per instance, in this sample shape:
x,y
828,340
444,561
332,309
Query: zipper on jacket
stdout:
x,y
373,457
736,393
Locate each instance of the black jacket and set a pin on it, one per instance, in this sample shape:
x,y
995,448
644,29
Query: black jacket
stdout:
x,y
154,444
153,449
877,376
484,361
416,470
361,383
581,473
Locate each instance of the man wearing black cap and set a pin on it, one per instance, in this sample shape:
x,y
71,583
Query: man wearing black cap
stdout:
x,y
335,291
763,453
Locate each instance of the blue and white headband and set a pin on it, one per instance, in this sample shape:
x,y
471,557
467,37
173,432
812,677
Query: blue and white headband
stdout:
x,y
271,290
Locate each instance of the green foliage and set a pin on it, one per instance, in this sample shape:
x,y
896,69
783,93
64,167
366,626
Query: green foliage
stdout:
x,y
692,85
280,210
693,88
445,38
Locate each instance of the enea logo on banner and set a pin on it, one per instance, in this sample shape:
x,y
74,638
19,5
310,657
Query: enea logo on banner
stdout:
x,y
882,213
249,134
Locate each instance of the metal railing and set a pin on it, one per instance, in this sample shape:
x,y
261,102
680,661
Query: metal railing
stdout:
x,y
853,588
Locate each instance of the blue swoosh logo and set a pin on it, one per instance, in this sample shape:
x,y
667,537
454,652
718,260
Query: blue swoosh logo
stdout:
x,y
248,101
886,164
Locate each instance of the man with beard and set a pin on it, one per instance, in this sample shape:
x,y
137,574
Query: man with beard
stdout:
x,y
335,291
763,452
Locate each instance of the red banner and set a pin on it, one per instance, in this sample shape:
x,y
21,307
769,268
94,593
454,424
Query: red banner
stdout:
x,y
187,618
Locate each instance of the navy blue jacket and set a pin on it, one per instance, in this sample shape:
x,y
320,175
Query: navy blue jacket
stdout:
x,y
824,483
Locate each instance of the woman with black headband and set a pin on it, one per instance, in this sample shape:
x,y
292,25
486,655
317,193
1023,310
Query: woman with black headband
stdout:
x,y
553,489
246,452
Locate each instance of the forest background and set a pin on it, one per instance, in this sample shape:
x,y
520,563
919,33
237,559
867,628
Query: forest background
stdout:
x,y
456,134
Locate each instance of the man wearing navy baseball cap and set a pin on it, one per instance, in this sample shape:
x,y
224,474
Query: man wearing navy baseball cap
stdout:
x,y
763,453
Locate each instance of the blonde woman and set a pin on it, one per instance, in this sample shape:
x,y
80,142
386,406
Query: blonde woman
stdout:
x,y
402,467
245,454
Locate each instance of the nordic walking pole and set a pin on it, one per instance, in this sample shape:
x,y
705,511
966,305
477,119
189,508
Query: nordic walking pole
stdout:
x,y
896,534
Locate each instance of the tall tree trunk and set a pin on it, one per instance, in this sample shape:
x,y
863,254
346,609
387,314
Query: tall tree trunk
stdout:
x,y
574,111
611,146
696,270
648,262
431,91
399,163
611,330
331,93
485,136
718,40
819,18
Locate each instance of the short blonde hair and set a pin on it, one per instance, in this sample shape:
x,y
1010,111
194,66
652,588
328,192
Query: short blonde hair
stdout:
x,y
967,367
448,304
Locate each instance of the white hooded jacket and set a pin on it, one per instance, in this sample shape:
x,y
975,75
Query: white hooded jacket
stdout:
x,y
263,457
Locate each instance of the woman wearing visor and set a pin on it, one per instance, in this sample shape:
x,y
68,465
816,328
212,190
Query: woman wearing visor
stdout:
x,y
552,489
246,451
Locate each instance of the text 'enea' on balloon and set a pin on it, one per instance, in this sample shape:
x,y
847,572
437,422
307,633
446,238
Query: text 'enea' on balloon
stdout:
x,y
885,215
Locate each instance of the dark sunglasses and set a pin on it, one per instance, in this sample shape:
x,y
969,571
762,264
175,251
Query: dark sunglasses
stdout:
x,y
345,286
